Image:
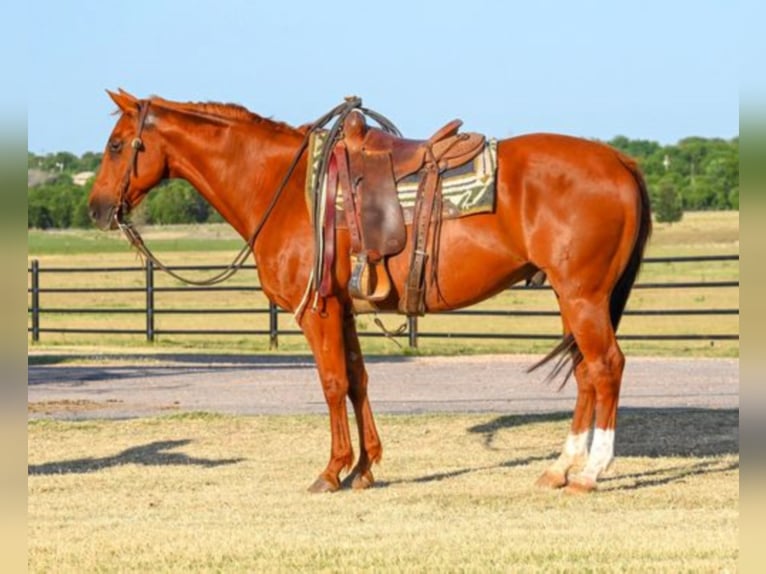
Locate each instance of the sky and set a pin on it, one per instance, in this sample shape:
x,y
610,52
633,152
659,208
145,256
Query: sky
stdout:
x,y
654,70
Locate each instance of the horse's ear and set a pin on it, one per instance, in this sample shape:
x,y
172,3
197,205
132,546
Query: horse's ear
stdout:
x,y
124,100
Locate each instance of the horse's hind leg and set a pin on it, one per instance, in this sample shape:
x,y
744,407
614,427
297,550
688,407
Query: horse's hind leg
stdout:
x,y
599,375
370,449
575,449
324,332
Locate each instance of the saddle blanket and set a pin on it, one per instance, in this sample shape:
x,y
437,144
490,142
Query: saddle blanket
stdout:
x,y
466,189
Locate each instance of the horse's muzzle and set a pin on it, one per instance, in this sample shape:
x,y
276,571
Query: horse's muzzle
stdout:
x,y
102,211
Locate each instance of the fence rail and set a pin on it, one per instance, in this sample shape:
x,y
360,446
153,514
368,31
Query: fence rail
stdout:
x,y
150,310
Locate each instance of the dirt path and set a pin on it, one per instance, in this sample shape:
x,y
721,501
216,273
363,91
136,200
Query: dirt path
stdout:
x,y
123,387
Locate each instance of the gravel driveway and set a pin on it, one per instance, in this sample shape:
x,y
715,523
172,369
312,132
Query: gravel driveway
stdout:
x,y
146,385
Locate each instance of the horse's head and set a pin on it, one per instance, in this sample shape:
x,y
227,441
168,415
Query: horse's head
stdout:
x,y
134,162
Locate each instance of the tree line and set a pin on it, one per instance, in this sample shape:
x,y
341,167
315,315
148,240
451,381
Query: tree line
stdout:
x,y
694,174
56,201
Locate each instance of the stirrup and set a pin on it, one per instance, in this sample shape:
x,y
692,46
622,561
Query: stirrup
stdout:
x,y
369,281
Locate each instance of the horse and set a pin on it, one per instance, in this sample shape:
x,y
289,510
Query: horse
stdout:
x,y
574,209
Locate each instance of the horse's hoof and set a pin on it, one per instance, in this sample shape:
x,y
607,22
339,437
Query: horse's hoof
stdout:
x,y
580,485
358,481
551,480
362,481
321,484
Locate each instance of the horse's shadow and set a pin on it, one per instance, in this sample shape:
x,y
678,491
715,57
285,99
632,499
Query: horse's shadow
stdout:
x,y
152,454
652,432
697,434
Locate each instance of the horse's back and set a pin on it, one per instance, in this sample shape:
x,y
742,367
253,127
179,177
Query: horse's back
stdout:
x,y
547,170
549,154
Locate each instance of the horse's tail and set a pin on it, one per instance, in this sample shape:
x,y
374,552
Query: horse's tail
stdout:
x,y
624,284
567,348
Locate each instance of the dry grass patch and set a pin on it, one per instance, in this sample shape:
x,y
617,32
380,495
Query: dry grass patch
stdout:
x,y
202,492
69,406
698,233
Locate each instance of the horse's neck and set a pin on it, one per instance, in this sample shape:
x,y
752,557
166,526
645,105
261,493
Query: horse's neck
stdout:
x,y
236,170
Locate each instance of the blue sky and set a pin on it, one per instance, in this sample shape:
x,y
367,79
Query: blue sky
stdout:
x,y
655,69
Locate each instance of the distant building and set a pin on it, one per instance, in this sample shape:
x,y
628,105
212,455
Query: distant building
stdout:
x,y
37,177
82,178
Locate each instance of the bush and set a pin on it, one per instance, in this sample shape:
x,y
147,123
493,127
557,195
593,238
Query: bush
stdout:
x,y
667,208
59,205
176,202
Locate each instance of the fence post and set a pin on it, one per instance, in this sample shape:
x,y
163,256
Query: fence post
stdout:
x,y
273,326
35,301
412,332
149,300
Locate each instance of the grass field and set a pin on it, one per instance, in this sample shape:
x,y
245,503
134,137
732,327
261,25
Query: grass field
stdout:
x,y
712,233
203,492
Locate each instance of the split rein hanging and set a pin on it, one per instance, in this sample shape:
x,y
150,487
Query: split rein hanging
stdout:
x,y
131,233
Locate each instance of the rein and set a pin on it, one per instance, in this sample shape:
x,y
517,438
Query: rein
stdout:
x,y
131,233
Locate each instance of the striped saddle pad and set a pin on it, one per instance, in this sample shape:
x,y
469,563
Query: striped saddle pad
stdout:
x,y
466,189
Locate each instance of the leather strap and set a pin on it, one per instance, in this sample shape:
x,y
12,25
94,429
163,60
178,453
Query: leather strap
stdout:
x,y
136,145
328,227
349,205
414,289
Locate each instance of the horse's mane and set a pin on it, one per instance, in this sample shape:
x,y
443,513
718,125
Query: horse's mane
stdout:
x,y
218,110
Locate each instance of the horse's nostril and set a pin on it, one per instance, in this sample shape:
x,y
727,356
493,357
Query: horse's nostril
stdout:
x,y
99,209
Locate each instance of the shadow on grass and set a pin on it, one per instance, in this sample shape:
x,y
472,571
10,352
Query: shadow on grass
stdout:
x,y
436,477
665,475
255,359
56,368
152,454
651,432
700,435
195,359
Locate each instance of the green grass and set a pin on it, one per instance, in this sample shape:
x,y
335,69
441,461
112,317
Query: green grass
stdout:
x,y
174,239
196,492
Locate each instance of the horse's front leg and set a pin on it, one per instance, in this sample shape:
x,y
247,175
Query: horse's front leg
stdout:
x,y
323,329
370,449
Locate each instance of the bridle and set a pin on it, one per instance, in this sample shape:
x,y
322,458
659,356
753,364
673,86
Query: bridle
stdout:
x,y
122,206
136,145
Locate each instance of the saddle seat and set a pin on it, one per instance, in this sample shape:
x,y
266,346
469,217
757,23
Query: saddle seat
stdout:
x,y
448,147
374,161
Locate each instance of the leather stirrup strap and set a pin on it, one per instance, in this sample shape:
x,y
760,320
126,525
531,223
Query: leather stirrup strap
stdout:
x,y
328,228
349,205
414,289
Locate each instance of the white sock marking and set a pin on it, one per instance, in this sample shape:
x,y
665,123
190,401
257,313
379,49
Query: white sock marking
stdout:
x,y
576,444
601,453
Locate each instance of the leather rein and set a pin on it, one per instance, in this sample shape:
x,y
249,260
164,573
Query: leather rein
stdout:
x,y
131,233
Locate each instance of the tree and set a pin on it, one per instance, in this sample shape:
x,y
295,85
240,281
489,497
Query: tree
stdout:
x,y
722,172
176,201
89,161
59,204
668,207
38,216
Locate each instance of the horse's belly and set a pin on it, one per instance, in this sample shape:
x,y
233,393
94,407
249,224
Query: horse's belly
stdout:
x,y
475,260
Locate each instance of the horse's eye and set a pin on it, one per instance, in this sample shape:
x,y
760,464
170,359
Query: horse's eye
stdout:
x,y
115,146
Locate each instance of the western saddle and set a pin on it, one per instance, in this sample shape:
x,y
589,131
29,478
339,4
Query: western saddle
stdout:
x,y
366,164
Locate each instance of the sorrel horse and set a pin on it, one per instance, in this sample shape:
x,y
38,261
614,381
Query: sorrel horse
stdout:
x,y
575,209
